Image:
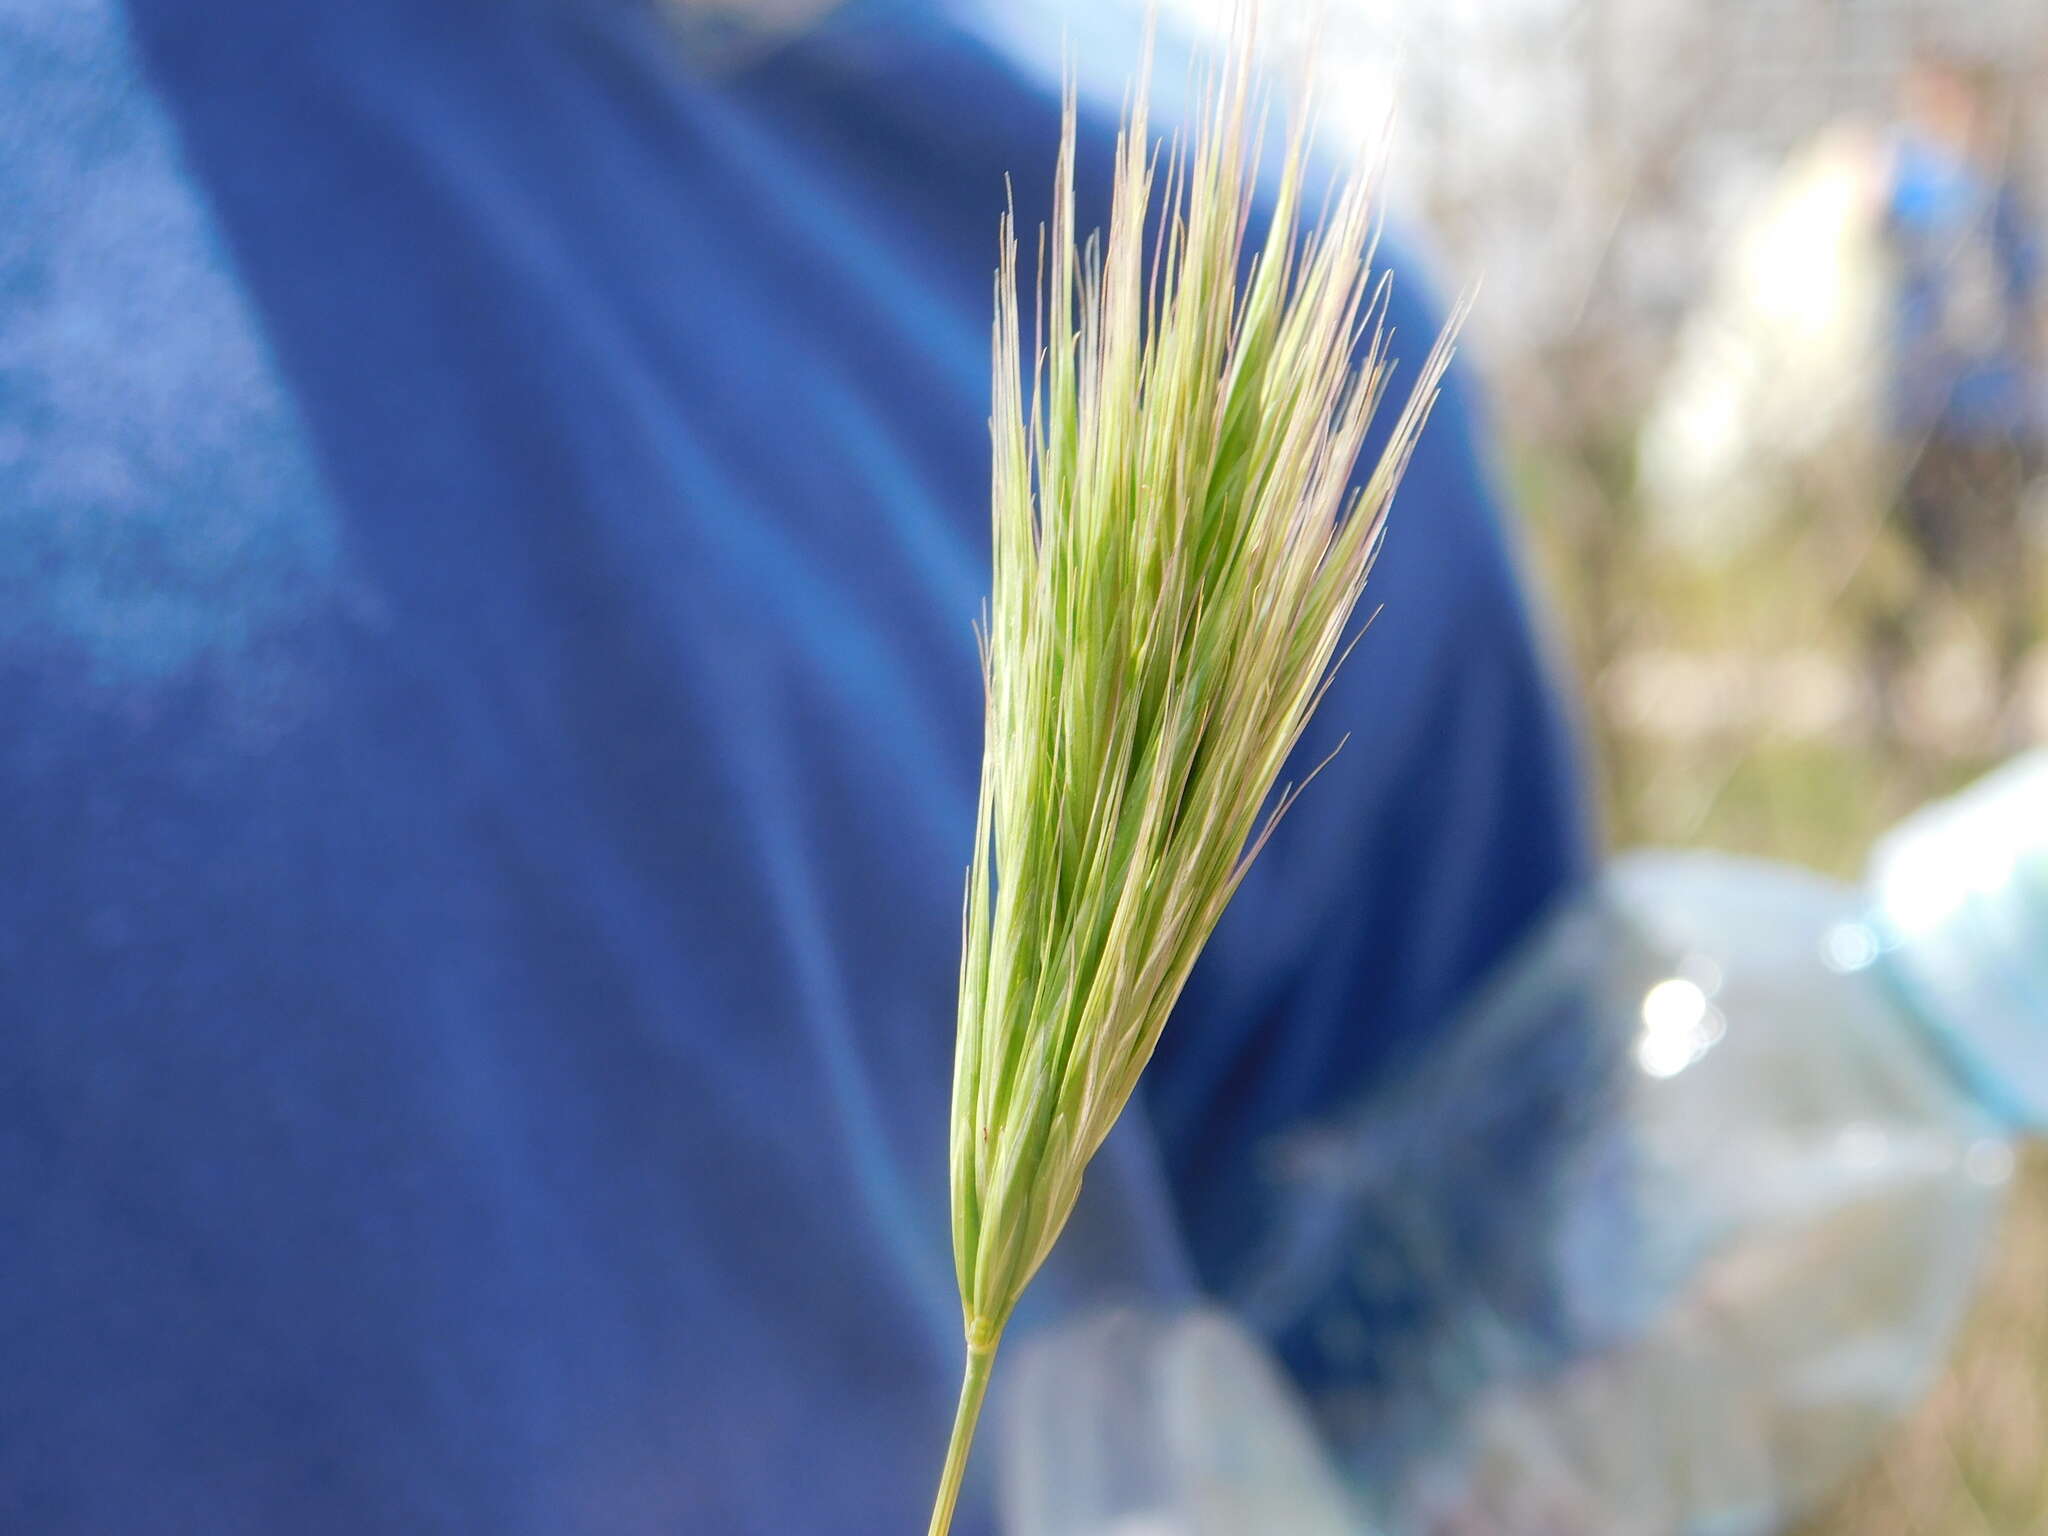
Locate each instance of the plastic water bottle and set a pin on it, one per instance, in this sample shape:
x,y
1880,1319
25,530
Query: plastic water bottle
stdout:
x,y
1662,1239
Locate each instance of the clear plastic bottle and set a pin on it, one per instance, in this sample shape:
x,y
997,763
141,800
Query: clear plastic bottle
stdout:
x,y
1663,1240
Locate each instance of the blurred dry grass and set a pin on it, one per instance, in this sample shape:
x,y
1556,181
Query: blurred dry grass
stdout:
x,y
1974,1461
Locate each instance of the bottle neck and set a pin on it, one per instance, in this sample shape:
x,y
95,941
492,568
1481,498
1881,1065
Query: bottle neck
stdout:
x,y
1958,935
1955,1032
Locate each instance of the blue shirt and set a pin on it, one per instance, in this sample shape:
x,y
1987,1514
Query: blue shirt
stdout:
x,y
493,514
1968,283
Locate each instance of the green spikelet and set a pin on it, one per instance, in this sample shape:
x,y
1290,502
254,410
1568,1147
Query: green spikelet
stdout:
x,y
1178,556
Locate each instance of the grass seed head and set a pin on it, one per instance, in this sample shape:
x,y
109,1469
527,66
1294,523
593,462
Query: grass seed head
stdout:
x,y
1179,547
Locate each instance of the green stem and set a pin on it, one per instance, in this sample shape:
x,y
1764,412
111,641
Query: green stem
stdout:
x,y
973,1388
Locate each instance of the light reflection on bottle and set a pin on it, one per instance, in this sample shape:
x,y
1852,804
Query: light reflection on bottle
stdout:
x,y
1680,1025
1850,947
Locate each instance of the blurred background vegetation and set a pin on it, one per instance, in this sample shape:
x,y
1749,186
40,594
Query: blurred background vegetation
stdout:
x,y
1727,697
1671,205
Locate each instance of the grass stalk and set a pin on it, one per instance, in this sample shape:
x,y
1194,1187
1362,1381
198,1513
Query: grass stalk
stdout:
x,y
973,1389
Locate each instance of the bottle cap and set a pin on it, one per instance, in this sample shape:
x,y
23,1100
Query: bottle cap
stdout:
x,y
1961,894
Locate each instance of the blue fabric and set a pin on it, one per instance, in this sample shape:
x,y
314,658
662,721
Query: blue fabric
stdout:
x,y
490,521
1969,279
